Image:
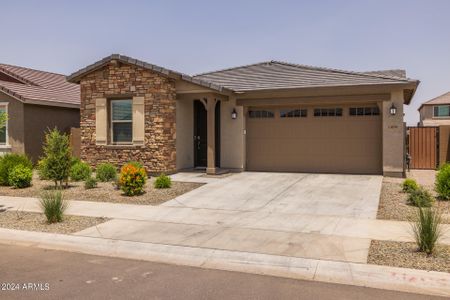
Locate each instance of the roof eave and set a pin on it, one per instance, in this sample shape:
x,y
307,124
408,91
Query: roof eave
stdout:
x,y
37,102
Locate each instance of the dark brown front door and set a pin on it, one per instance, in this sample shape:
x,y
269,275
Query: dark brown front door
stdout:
x,y
200,142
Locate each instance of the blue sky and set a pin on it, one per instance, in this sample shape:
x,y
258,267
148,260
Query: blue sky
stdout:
x,y
198,36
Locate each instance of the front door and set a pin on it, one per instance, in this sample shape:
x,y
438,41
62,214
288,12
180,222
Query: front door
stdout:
x,y
200,142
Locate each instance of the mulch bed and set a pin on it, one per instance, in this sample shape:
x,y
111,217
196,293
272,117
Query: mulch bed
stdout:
x,y
105,192
405,255
37,222
393,205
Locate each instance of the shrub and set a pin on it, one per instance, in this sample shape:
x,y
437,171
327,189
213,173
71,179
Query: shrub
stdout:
x,y
90,183
106,172
57,157
442,184
135,164
132,179
8,162
80,171
162,182
427,229
409,185
53,205
420,197
20,176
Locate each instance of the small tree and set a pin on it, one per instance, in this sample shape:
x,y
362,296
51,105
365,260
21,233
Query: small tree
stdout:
x,y
57,157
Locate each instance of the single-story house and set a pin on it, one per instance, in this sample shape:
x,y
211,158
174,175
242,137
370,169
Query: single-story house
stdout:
x,y
435,112
35,101
269,116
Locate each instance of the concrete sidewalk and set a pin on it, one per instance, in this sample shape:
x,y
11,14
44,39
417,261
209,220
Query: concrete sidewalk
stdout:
x,y
399,279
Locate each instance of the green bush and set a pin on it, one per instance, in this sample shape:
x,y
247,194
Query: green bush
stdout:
x,y
90,183
442,184
57,157
80,171
8,162
427,229
420,198
132,179
53,205
409,185
20,176
135,163
106,172
162,182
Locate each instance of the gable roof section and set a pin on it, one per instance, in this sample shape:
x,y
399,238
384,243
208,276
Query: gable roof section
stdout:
x,y
76,76
38,87
442,99
281,75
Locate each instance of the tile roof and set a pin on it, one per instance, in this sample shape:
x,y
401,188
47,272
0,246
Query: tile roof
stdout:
x,y
38,87
442,99
281,75
75,77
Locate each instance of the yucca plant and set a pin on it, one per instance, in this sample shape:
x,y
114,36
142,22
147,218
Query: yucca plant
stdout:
x,y
427,229
53,205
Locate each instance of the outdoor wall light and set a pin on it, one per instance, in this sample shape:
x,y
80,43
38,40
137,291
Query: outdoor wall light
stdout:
x,y
234,114
393,109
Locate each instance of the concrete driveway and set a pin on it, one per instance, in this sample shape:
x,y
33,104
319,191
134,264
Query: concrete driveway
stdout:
x,y
354,196
300,215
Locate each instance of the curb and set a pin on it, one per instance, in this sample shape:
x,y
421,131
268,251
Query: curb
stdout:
x,y
373,276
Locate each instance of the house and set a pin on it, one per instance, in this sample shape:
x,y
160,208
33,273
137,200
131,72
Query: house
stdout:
x,y
436,111
35,101
270,116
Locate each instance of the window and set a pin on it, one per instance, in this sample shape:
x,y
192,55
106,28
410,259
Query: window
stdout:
x,y
294,113
442,111
260,114
4,130
121,122
328,112
364,111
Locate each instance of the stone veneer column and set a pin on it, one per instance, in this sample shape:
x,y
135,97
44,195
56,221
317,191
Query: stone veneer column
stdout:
x,y
393,136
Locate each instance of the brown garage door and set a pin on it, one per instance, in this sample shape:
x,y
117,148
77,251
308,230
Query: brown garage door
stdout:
x,y
332,139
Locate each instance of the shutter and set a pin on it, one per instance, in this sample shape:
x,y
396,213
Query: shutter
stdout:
x,y
101,121
138,121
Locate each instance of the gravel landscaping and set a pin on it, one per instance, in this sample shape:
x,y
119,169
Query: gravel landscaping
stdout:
x,y
405,255
37,222
105,192
393,202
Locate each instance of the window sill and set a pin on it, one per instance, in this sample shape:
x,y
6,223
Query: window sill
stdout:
x,y
5,147
122,147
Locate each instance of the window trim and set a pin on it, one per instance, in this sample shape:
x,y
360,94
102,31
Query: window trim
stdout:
x,y
111,122
6,144
441,117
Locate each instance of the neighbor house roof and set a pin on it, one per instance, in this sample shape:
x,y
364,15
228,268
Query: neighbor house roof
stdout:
x,y
442,99
270,75
38,87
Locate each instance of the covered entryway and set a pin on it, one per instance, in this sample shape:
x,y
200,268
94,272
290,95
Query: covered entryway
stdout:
x,y
331,139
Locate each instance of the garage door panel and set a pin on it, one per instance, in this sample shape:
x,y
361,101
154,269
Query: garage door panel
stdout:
x,y
344,144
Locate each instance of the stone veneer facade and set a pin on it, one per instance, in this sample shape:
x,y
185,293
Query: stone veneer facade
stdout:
x,y
116,81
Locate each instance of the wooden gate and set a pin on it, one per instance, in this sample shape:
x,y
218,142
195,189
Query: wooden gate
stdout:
x,y
423,147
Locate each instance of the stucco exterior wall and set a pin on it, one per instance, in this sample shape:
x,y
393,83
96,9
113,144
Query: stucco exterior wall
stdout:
x,y
124,81
393,136
15,125
40,118
185,134
232,136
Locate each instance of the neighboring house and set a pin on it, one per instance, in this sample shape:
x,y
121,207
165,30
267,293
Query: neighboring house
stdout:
x,y
436,111
35,101
270,116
